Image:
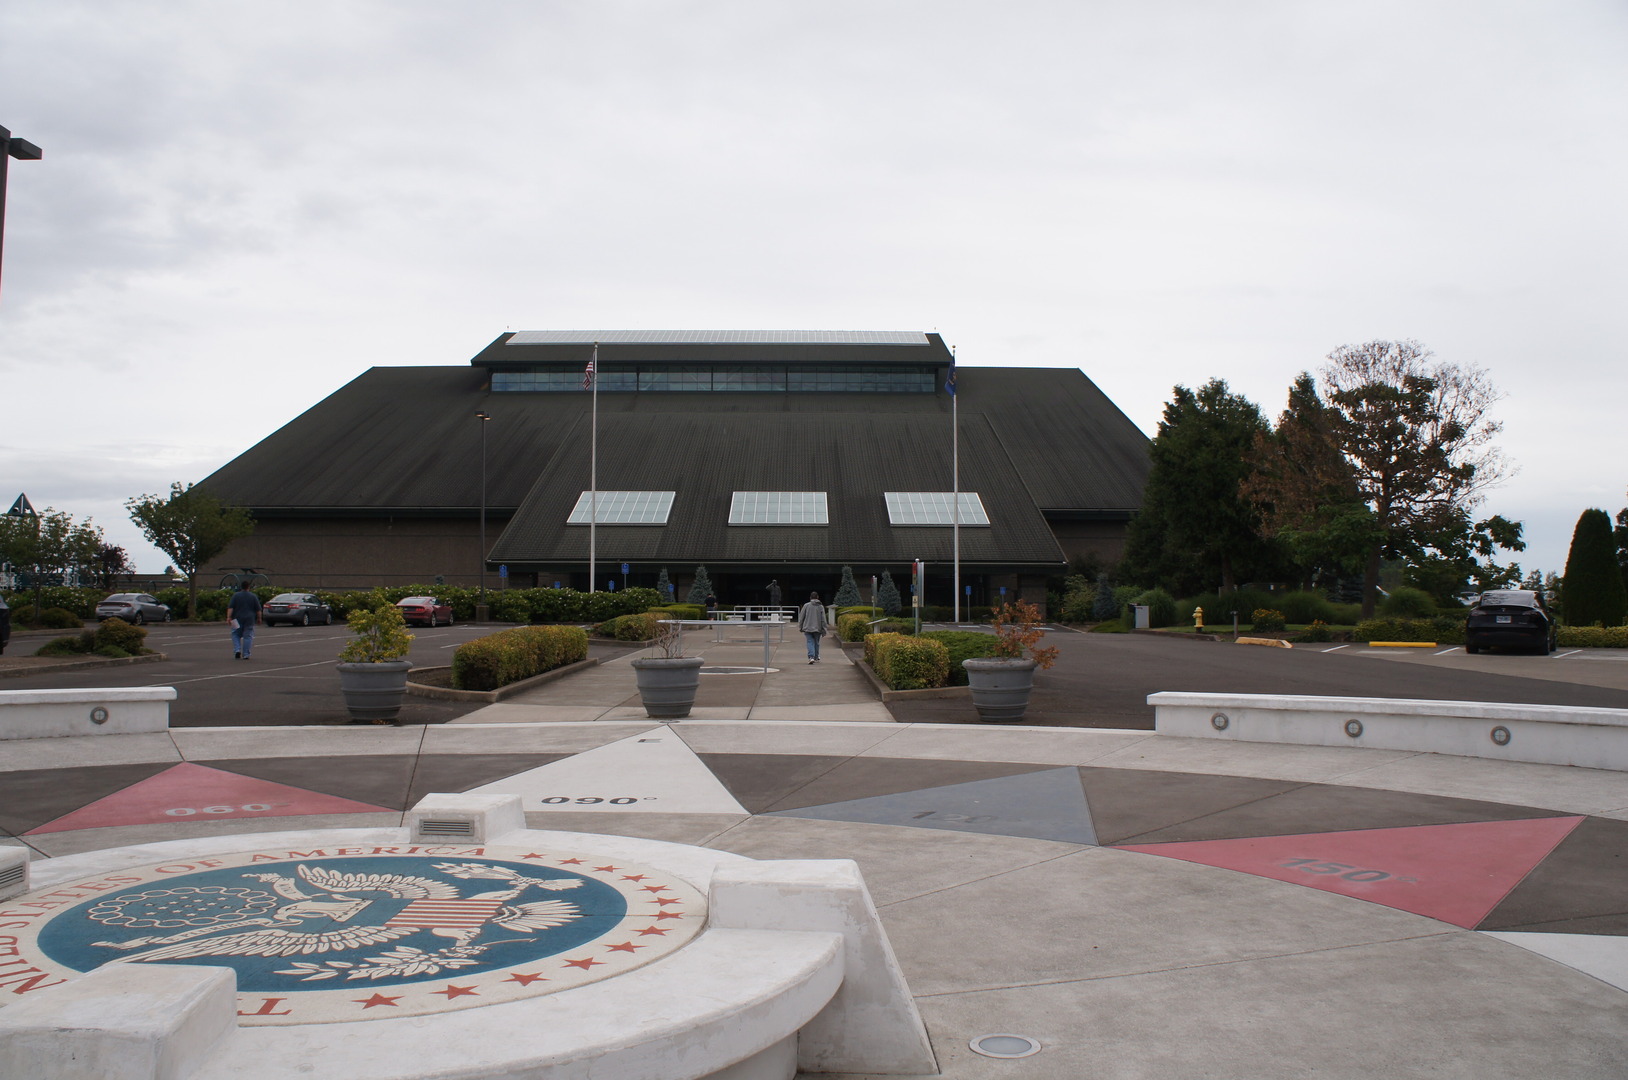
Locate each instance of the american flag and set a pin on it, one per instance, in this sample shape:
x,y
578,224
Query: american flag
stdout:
x,y
588,376
452,913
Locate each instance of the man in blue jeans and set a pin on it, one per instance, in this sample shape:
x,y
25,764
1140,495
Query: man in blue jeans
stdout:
x,y
811,621
243,610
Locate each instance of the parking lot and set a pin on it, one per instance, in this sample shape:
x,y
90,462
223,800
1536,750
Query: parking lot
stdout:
x,y
1099,680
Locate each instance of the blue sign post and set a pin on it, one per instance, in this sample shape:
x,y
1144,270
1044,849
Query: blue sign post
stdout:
x,y
503,575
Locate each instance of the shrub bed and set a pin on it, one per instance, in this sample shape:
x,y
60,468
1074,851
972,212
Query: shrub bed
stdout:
x,y
1594,637
962,645
115,639
640,627
908,663
508,656
854,625
1446,629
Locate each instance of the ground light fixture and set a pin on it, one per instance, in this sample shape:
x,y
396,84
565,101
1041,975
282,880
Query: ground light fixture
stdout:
x,y
1005,1045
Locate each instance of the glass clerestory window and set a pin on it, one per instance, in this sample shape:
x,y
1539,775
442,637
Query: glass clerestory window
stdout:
x,y
779,508
725,378
623,508
933,508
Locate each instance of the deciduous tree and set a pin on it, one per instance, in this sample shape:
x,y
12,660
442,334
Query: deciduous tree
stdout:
x,y
51,544
192,527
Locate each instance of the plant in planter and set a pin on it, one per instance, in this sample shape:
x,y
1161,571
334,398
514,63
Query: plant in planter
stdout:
x,y
668,679
1001,684
373,665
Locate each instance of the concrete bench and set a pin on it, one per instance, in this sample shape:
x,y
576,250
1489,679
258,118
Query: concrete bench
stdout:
x,y
1549,734
51,714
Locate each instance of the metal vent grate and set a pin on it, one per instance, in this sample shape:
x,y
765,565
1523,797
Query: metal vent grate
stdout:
x,y
12,875
427,827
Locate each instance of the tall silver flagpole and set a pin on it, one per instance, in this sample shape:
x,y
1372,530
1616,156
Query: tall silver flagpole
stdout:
x,y
593,467
955,496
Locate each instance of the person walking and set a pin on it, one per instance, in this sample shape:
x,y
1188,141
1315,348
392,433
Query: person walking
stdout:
x,y
811,621
243,612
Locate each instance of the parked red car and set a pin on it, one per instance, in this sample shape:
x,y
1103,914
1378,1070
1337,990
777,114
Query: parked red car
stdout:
x,y
425,611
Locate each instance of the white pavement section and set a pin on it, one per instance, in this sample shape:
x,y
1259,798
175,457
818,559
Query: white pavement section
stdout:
x,y
1548,734
1604,957
649,773
114,710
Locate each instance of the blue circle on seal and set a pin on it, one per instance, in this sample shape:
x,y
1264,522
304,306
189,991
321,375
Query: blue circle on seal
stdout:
x,y
286,925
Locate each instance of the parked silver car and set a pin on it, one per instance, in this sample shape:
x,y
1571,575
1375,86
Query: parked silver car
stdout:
x,y
134,608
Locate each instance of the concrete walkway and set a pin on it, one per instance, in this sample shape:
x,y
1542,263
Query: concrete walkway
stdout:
x,y
1142,906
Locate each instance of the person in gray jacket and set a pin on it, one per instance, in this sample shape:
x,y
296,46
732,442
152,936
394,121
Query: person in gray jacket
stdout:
x,y
811,621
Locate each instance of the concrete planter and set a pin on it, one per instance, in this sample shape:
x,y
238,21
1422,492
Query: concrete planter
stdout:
x,y
1000,688
374,692
667,685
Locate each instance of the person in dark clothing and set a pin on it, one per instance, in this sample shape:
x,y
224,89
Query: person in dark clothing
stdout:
x,y
774,593
811,621
243,613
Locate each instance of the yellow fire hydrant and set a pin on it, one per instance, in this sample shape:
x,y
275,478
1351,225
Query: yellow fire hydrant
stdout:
x,y
1198,618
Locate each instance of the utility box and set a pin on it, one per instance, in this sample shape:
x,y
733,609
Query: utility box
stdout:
x,y
1140,614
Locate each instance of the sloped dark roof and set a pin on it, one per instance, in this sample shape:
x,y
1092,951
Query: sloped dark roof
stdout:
x,y
1035,442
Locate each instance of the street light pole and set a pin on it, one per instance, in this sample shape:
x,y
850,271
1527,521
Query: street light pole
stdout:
x,y
22,150
483,417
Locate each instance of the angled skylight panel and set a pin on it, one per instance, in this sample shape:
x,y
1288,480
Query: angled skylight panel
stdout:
x,y
779,508
623,508
933,508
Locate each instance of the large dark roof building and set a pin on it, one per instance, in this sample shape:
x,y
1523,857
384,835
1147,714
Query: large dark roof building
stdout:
x,y
775,454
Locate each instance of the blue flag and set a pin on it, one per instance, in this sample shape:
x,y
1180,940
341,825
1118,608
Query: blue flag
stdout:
x,y
949,381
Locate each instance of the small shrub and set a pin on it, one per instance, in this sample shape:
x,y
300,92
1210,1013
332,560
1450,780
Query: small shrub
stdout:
x,y
894,627
1018,634
1079,599
118,634
1305,607
962,645
687,611
912,663
378,636
55,618
641,627
1317,631
509,656
1408,603
854,626
1268,620
1446,629
873,647
77,645
1161,607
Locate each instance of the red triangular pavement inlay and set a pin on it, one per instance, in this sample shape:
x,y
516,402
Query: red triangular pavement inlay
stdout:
x,y
189,792
1455,873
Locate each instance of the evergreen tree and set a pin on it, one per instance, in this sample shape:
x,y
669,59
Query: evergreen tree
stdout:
x,y
701,588
888,595
1622,544
847,592
1593,593
1102,608
664,587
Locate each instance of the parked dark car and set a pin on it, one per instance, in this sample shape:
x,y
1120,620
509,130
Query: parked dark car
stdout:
x,y
1510,618
425,611
296,609
133,608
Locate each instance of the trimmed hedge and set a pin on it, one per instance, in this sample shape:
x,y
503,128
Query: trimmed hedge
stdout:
x,y
1594,637
908,663
1445,629
854,625
640,627
508,656
962,645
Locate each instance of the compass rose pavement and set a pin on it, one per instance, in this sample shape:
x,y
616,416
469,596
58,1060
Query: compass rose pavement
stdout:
x,y
1140,905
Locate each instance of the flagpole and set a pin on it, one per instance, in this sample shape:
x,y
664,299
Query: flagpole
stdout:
x,y
955,496
593,467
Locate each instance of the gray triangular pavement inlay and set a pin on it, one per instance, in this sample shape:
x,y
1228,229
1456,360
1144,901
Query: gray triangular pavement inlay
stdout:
x,y
1045,805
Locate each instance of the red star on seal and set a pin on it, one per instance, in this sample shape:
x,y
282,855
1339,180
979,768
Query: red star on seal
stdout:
x,y
570,862
634,877
376,999
668,915
456,991
626,946
664,900
533,855
607,869
524,979
583,964
654,888
655,930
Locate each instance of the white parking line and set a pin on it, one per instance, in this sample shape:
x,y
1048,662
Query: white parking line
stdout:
x,y
1337,648
1562,656
1444,652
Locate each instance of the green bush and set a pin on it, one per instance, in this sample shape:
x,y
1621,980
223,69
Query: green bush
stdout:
x,y
640,627
1161,607
854,625
910,663
1124,597
1267,620
1218,607
1317,631
118,634
1079,598
1593,637
1303,606
508,656
56,618
860,609
1407,603
686,611
76,645
962,645
81,602
894,627
175,598
873,642
1445,629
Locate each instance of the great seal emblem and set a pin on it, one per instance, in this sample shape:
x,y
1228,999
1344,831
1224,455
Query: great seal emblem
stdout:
x,y
352,933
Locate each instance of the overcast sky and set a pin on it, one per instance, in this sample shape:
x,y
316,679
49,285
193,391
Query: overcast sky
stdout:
x,y
243,206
